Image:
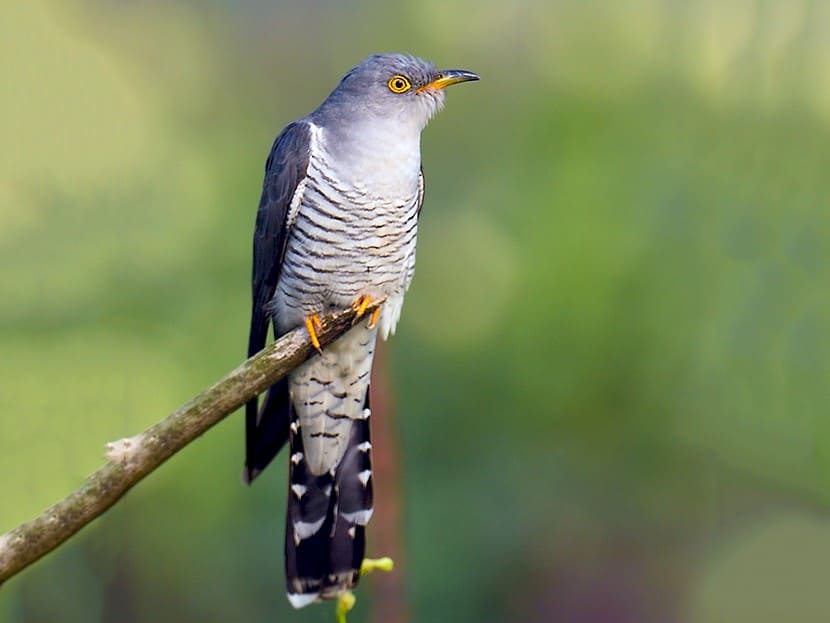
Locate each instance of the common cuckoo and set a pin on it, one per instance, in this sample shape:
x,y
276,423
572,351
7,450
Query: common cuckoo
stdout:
x,y
336,227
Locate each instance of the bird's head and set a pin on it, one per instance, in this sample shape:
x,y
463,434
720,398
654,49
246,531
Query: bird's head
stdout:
x,y
395,86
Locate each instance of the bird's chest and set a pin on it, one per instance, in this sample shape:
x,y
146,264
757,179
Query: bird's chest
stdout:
x,y
365,191
366,209
379,172
374,161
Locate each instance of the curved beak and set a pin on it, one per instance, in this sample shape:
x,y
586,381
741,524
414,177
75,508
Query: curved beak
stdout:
x,y
446,77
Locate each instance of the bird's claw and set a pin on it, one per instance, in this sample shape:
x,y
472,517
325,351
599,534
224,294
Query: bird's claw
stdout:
x,y
360,306
373,319
313,325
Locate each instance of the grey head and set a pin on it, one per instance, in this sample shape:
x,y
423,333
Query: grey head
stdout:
x,y
400,88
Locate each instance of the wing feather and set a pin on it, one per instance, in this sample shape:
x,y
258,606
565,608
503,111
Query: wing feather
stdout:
x,y
285,170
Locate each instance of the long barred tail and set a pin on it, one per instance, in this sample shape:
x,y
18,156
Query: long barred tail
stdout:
x,y
326,517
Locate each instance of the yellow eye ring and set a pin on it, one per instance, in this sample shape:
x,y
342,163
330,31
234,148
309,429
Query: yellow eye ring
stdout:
x,y
399,84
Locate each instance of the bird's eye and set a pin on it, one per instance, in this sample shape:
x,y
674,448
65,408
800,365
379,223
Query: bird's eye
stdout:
x,y
398,84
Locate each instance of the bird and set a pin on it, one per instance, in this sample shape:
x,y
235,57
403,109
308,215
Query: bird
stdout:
x,y
336,227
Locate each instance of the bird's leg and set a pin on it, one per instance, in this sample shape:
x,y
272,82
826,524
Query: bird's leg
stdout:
x,y
359,307
312,325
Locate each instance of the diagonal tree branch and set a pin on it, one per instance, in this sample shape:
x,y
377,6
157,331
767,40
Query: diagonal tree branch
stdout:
x,y
130,460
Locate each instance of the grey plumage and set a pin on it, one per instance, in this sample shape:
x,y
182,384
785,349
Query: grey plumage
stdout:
x,y
337,221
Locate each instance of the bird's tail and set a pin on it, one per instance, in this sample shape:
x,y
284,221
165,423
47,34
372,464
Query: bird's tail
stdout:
x,y
266,430
326,518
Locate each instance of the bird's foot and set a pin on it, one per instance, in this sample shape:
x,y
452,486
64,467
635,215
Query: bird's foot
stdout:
x,y
313,325
360,306
346,600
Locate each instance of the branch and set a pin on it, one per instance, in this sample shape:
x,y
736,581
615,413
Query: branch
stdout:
x,y
130,460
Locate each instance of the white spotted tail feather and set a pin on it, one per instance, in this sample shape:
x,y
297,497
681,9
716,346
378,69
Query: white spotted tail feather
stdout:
x,y
327,514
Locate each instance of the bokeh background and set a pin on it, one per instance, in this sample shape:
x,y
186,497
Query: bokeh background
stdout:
x,y
610,384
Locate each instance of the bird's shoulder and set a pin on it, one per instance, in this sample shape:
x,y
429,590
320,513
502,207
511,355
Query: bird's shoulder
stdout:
x,y
285,170
291,148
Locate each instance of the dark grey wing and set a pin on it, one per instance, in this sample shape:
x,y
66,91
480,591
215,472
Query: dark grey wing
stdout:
x,y
285,168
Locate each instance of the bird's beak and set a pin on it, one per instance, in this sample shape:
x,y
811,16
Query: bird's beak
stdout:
x,y
446,77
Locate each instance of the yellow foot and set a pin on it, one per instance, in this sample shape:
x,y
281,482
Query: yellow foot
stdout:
x,y
380,564
344,603
373,319
360,306
312,325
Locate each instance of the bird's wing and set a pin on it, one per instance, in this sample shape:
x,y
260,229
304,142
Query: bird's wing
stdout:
x,y
285,171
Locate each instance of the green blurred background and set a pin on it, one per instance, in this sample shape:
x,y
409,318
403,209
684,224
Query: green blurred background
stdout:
x,y
612,373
